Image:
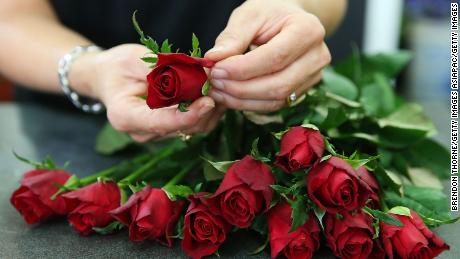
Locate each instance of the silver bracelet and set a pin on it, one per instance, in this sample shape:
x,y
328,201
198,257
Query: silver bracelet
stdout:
x,y
64,65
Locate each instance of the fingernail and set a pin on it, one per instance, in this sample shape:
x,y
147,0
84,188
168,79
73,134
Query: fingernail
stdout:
x,y
219,73
216,49
217,84
205,109
216,96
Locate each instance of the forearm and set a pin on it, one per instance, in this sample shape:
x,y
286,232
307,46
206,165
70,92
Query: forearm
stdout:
x,y
329,12
32,41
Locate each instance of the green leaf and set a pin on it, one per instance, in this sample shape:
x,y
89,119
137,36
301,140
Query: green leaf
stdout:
x,y
260,224
429,154
390,64
279,135
205,88
280,189
299,214
109,140
183,106
109,229
385,217
196,51
165,47
431,204
385,179
147,41
174,191
400,210
152,60
329,147
198,187
343,100
179,229
221,166
357,163
261,248
408,116
319,213
256,154
405,126
378,98
337,84
423,177
335,117
47,163
438,222
72,183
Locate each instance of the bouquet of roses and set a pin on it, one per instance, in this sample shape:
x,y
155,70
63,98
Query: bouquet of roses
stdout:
x,y
350,161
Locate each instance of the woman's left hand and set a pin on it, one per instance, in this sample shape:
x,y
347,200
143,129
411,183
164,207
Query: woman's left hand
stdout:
x,y
288,57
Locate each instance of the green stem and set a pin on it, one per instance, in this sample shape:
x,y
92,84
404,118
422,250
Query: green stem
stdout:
x,y
149,165
109,171
182,173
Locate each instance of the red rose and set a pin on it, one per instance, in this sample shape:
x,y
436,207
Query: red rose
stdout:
x,y
149,214
300,148
204,231
350,236
413,240
91,205
244,192
176,78
333,185
33,198
369,178
300,243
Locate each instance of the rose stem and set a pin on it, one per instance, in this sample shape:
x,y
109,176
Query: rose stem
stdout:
x,y
109,171
147,166
182,173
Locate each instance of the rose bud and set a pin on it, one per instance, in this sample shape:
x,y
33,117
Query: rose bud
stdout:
x,y
33,198
334,186
369,178
149,214
244,192
91,205
176,78
350,236
300,148
300,243
204,231
412,240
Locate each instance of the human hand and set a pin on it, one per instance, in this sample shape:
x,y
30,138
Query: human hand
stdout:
x,y
117,77
288,57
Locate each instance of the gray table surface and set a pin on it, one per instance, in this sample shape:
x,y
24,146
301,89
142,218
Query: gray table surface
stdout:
x,y
36,131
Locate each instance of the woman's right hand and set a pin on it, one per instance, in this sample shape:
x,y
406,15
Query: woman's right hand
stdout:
x,y
117,77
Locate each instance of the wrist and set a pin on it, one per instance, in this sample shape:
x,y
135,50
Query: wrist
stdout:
x,y
82,73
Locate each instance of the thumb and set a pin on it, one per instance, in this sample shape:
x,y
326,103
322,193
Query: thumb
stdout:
x,y
235,38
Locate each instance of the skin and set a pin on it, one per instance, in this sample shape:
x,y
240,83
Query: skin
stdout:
x,y
286,38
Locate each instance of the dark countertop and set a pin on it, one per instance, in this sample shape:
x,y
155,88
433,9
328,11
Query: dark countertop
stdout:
x,y
36,131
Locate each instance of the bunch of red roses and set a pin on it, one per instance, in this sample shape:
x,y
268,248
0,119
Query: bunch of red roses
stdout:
x,y
246,192
308,189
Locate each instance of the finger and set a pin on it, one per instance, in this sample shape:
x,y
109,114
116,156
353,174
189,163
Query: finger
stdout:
x,y
308,84
216,118
246,104
279,85
234,40
297,35
141,138
132,114
135,66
